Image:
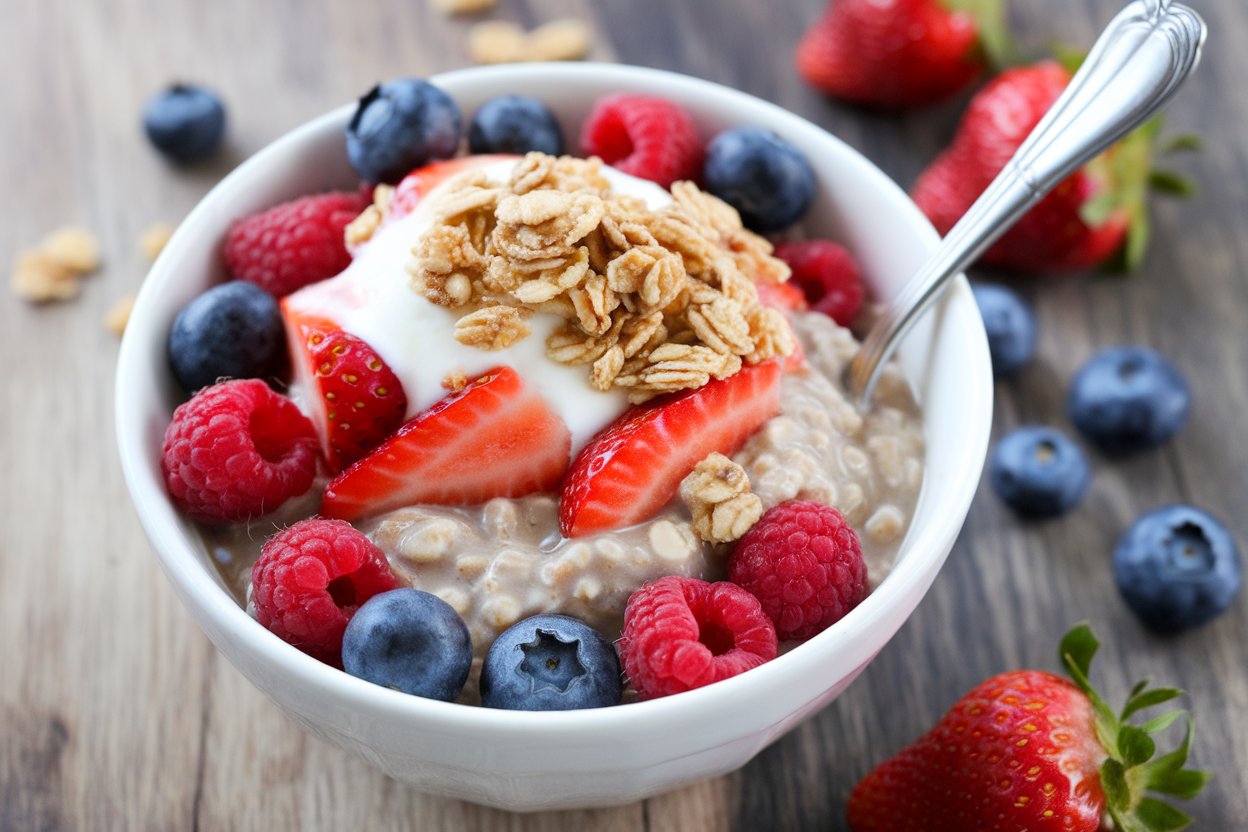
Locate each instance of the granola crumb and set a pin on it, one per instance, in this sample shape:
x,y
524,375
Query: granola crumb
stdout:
x,y
118,315
718,495
154,239
455,381
496,42
39,278
464,6
74,248
493,328
52,270
566,39
501,41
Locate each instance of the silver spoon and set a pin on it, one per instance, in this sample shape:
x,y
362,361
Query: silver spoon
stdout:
x,y
1137,64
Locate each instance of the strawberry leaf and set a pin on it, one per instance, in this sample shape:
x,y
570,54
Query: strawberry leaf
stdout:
x,y
1184,142
1097,210
1077,649
1114,784
1167,764
1170,183
1141,699
1161,723
1185,783
1070,58
1158,816
1130,772
1135,746
1138,230
990,23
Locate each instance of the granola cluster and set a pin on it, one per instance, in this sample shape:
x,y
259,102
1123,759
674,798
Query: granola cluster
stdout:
x,y
361,229
718,495
653,301
53,269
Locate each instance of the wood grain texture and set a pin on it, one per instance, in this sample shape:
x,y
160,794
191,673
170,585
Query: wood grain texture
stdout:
x,y
116,713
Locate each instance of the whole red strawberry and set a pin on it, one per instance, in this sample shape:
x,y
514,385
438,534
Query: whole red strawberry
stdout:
x,y
1028,750
293,244
1083,222
900,53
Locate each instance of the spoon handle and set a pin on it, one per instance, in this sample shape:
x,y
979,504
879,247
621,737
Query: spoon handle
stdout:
x,y
1137,64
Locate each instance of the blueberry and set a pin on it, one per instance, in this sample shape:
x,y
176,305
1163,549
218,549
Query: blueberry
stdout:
x,y
514,124
1010,325
1177,568
411,641
1128,399
185,122
764,177
399,126
550,663
231,331
1039,472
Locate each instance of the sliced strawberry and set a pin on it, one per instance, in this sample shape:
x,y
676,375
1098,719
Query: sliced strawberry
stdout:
x,y
354,399
421,181
786,297
632,468
494,438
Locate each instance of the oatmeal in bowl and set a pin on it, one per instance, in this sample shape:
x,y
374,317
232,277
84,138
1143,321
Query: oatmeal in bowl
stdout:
x,y
561,426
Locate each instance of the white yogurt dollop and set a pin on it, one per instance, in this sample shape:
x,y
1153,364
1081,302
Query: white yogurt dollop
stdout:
x,y
416,338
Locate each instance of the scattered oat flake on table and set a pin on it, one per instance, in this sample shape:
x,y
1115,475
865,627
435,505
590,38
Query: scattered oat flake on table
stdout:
x,y
38,277
118,314
567,39
500,41
496,42
154,238
464,6
74,248
51,270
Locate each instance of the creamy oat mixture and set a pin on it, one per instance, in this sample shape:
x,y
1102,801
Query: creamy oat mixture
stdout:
x,y
649,300
505,560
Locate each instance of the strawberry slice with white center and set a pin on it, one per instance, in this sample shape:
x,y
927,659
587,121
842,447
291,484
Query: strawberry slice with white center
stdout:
x,y
417,184
783,296
494,438
633,468
353,399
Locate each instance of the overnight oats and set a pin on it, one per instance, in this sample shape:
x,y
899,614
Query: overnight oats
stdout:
x,y
556,432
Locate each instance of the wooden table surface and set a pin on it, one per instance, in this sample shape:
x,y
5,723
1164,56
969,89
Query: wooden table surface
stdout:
x,y
116,713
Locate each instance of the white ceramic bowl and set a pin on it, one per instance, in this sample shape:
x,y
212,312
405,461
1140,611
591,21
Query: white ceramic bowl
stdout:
x,y
531,761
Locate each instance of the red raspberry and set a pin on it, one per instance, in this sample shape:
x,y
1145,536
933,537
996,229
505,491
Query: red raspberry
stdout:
x,y
311,578
804,564
237,450
297,243
828,275
682,633
648,137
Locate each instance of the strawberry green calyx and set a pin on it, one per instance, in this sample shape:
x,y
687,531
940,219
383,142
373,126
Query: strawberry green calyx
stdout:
x,y
1129,175
990,23
1131,771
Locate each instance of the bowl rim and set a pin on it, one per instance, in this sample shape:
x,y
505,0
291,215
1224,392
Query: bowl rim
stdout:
x,y
191,576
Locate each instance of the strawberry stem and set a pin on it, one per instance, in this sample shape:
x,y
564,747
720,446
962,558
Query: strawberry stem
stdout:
x,y
1131,771
990,22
